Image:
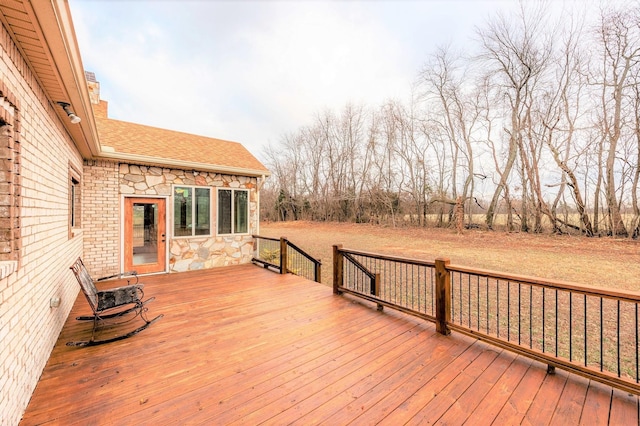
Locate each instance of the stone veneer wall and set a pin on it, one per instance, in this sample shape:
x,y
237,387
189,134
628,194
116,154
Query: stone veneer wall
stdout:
x,y
29,326
101,227
189,253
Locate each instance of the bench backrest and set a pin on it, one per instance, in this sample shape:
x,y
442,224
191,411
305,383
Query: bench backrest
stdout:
x,y
86,283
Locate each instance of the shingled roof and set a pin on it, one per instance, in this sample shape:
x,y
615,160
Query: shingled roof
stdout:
x,y
154,146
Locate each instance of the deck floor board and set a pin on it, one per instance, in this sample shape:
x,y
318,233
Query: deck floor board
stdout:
x,y
244,345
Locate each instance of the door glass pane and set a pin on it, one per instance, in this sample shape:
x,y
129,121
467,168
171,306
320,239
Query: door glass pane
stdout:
x,y
241,206
203,211
145,233
224,211
182,211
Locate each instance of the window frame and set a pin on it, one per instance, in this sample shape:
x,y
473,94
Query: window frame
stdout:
x,y
233,213
193,234
75,201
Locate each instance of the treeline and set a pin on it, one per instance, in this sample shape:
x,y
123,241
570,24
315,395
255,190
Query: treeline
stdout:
x,y
538,129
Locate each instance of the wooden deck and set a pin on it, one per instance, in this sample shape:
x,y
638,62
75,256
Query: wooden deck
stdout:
x,y
243,345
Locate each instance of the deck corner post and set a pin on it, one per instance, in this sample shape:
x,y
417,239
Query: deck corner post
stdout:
x,y
283,255
337,268
376,289
318,273
443,296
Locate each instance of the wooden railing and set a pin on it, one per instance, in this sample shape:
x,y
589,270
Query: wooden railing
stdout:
x,y
275,252
592,332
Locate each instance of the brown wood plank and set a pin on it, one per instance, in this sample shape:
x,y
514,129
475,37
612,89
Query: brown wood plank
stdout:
x,y
289,393
247,345
389,371
516,407
460,411
596,405
571,401
450,393
184,352
241,386
361,372
624,409
429,382
187,376
385,388
494,401
546,400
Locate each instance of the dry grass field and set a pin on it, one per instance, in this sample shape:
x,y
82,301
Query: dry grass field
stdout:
x,y
602,262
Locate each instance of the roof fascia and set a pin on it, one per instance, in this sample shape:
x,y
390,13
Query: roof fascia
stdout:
x,y
183,165
52,18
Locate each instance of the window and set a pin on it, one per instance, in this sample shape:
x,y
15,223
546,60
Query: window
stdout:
x,y
75,198
233,211
11,172
75,203
191,211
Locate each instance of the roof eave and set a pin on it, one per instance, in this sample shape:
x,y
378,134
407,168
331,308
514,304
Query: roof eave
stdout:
x,y
53,19
184,165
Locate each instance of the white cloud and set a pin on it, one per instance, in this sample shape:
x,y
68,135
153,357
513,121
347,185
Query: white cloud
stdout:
x,y
252,71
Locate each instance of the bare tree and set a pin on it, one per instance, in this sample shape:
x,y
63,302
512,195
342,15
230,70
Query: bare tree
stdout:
x,y
511,51
619,40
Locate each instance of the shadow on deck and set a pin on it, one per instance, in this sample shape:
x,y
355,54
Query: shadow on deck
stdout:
x,y
248,346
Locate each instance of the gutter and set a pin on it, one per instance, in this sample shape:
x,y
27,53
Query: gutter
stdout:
x,y
181,164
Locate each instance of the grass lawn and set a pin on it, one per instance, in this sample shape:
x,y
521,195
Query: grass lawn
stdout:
x,y
601,262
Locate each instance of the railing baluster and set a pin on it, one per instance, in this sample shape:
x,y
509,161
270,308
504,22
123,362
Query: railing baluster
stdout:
x,y
544,317
601,336
530,317
618,337
460,297
636,346
433,294
469,300
508,311
570,326
519,313
586,354
498,308
556,323
487,298
478,303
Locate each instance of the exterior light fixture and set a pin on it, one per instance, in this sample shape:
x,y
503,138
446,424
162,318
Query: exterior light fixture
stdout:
x,y
72,116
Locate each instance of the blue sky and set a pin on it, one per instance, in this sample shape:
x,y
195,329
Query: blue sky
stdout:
x,y
252,71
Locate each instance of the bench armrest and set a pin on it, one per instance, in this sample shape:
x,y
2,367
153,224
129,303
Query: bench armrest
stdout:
x,y
122,275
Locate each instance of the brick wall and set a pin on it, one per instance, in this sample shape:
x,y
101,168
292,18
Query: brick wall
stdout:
x,y
29,327
101,218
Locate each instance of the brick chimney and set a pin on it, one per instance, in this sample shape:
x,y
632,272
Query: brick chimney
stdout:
x,y
94,87
99,107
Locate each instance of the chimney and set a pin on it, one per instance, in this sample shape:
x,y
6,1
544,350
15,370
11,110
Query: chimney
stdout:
x,y
94,87
99,107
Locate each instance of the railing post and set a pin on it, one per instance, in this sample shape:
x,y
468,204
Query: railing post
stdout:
x,y
318,271
443,296
376,289
338,261
283,255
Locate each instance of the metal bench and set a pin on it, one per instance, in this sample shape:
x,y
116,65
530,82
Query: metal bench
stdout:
x,y
113,306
